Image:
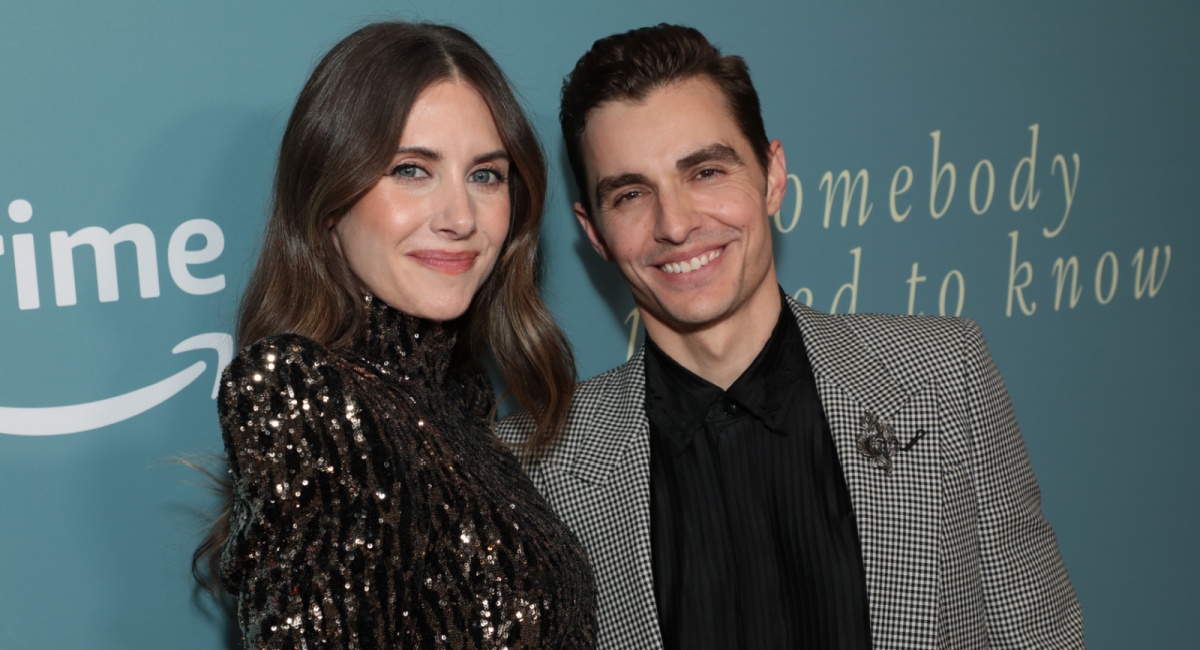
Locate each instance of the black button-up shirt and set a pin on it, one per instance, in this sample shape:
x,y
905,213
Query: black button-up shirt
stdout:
x,y
753,533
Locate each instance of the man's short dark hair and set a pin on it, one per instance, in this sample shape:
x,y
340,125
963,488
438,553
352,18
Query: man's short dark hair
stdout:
x,y
629,66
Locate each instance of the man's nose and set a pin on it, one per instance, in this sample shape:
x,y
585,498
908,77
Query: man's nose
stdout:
x,y
676,217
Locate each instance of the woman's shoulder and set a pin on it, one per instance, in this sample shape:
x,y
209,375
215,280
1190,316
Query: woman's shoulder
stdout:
x,y
295,347
284,370
280,397
278,359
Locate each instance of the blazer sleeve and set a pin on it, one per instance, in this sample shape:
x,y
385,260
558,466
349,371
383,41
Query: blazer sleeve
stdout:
x,y
1029,598
295,555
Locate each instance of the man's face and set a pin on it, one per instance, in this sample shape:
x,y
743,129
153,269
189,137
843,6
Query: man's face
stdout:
x,y
681,204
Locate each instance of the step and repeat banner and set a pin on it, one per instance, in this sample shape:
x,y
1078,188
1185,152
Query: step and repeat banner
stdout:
x,y
1029,165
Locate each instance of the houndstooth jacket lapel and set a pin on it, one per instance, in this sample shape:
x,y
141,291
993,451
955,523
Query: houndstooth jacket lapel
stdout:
x,y
597,478
956,550
957,554
899,512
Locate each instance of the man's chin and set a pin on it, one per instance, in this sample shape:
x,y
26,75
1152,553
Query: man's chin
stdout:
x,y
683,315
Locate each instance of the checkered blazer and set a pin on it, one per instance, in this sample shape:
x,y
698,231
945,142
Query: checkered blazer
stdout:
x,y
956,550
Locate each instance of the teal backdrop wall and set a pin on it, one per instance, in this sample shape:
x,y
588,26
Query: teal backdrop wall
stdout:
x,y
1031,165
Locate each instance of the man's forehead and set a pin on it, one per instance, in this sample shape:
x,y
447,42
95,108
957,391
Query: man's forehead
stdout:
x,y
698,88
667,124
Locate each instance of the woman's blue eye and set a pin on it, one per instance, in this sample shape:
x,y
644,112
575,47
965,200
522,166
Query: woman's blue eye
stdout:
x,y
486,176
407,171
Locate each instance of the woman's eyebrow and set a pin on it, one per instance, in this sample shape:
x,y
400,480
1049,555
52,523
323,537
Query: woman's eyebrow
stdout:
x,y
498,154
424,152
436,156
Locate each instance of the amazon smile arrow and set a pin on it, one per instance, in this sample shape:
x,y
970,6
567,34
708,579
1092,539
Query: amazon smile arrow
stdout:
x,y
74,418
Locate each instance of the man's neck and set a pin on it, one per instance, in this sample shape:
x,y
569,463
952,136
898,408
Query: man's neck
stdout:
x,y
721,351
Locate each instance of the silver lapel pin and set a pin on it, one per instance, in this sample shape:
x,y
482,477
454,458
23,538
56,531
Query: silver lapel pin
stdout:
x,y
877,441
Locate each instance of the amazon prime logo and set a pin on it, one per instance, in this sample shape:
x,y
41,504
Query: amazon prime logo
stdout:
x,y
75,418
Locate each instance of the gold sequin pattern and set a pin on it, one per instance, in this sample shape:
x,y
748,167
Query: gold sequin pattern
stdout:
x,y
373,507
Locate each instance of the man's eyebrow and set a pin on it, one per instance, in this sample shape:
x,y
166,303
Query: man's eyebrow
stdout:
x,y
711,153
610,183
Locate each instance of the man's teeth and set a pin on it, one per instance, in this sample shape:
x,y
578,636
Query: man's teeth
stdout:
x,y
696,263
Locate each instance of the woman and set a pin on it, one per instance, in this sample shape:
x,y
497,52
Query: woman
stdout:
x,y
372,507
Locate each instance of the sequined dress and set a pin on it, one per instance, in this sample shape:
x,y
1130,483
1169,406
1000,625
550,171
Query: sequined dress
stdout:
x,y
374,508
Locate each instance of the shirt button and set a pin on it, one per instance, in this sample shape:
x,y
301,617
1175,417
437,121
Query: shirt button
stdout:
x,y
731,409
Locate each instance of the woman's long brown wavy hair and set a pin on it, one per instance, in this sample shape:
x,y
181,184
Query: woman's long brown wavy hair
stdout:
x,y
339,140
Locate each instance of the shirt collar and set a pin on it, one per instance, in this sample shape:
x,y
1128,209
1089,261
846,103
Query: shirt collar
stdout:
x,y
677,400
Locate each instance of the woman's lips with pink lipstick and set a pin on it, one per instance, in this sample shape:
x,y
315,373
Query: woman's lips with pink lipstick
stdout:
x,y
450,262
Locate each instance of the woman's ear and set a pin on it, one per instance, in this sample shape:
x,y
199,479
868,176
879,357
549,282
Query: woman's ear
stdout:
x,y
331,230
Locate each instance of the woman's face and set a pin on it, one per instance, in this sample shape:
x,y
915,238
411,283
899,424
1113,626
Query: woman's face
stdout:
x,y
427,234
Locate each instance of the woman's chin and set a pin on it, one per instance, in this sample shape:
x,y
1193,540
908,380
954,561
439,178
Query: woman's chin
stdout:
x,y
442,310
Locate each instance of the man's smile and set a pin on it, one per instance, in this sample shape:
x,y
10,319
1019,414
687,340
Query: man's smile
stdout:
x,y
694,264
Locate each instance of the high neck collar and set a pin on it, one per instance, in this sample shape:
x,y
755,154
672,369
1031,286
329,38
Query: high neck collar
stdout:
x,y
404,343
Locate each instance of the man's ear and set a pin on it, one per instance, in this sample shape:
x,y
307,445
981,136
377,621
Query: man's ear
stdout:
x,y
776,176
593,234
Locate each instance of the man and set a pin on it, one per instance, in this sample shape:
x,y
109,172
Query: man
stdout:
x,y
761,475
